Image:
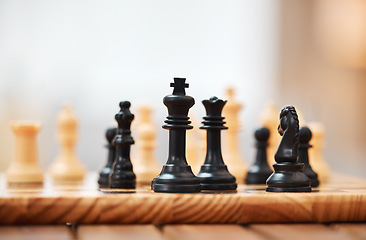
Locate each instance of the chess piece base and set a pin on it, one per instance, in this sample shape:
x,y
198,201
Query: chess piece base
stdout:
x,y
176,188
127,182
123,184
176,179
219,186
29,175
288,189
288,177
313,177
67,169
257,177
216,178
103,180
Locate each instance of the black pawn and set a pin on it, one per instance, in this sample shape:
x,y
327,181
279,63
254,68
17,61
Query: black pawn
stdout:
x,y
214,174
103,180
122,175
260,170
305,136
176,175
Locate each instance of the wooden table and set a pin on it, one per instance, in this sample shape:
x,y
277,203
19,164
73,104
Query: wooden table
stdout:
x,y
352,231
336,210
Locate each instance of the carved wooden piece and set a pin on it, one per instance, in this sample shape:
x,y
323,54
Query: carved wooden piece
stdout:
x,y
145,163
25,168
234,159
67,166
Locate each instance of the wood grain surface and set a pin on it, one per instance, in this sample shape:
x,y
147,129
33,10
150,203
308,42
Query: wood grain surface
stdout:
x,y
210,231
356,230
299,232
341,200
36,233
344,231
118,232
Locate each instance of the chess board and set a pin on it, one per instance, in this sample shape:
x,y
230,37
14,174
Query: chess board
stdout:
x,y
342,199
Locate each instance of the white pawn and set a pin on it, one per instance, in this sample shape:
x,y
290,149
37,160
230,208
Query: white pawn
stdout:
x,y
145,163
67,166
202,148
270,119
192,149
25,168
317,161
232,149
300,115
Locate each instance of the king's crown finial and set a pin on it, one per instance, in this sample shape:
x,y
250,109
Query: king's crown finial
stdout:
x,y
179,86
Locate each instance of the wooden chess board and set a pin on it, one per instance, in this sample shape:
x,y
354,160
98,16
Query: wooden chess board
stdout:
x,y
343,199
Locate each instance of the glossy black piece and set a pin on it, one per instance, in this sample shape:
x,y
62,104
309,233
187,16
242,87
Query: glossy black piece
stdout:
x,y
260,171
214,174
305,137
122,175
103,180
176,175
288,175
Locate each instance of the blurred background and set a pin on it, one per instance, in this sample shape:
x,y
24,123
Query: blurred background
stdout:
x,y
93,54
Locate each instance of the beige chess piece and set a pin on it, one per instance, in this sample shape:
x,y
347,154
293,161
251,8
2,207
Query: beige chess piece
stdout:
x,y
25,168
270,118
145,163
202,148
316,157
67,166
232,150
192,147
300,115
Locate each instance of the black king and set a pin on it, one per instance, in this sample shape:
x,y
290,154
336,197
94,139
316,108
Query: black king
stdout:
x,y
176,175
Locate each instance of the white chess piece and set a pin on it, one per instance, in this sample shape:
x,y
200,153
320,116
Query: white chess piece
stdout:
x,y
145,163
232,151
316,157
192,146
270,119
25,167
67,166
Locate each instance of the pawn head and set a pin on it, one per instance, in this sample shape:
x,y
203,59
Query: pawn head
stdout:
x,y
110,134
305,135
124,104
261,134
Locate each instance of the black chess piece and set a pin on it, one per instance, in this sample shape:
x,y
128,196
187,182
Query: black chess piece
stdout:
x,y
176,175
122,175
288,175
305,136
214,174
260,170
103,180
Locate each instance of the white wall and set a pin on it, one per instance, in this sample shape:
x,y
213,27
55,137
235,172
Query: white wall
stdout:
x,y
96,53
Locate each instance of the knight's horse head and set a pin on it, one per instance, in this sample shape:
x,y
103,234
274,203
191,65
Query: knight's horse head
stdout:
x,y
289,130
284,120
